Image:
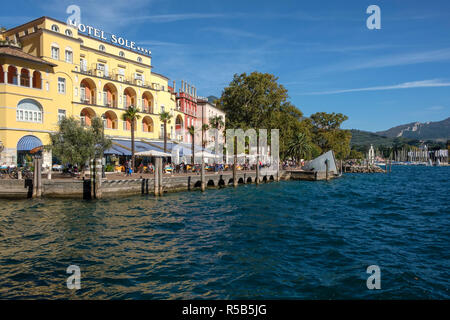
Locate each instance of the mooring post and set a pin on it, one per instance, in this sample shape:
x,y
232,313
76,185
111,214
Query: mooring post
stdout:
x,y
278,171
160,177
156,178
326,169
235,181
202,173
34,194
39,177
92,178
98,178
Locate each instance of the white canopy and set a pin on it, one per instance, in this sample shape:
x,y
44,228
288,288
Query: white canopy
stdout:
x,y
205,154
153,153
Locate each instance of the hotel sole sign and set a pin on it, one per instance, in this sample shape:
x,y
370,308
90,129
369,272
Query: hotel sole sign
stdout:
x,y
102,35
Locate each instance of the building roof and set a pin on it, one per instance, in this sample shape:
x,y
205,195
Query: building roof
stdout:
x,y
18,53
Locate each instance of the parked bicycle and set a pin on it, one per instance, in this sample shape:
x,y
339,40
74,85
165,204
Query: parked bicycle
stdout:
x,y
26,173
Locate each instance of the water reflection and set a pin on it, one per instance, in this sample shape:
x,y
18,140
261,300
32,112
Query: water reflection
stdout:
x,y
280,240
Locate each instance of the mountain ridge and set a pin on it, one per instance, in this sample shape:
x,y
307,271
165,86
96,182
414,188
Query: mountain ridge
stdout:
x,y
431,130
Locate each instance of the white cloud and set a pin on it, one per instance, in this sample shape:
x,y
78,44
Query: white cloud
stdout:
x,y
405,85
234,32
436,108
385,61
163,18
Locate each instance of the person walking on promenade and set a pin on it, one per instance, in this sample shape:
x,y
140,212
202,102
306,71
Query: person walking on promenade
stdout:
x,y
127,169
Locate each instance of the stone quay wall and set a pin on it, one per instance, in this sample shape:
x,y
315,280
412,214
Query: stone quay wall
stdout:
x,y
83,189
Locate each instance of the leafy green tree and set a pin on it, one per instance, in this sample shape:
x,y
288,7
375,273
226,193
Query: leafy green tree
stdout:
x,y
300,147
132,115
258,101
355,154
250,100
328,121
76,144
191,131
165,118
328,135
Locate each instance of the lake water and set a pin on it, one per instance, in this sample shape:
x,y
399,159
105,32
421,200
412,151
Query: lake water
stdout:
x,y
292,239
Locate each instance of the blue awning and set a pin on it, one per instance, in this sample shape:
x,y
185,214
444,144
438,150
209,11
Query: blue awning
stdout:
x,y
138,145
28,143
123,147
117,150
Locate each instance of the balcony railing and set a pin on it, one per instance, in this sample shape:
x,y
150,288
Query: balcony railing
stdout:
x,y
86,100
110,104
121,78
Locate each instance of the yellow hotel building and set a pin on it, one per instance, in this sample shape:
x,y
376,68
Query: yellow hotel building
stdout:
x,y
49,70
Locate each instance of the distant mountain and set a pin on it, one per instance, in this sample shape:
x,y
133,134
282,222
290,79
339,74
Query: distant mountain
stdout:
x,y
365,138
438,131
212,99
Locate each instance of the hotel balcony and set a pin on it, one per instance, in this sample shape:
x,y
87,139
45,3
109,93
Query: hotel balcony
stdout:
x,y
115,76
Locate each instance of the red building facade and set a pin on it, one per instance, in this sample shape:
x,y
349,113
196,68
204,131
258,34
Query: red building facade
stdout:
x,y
187,104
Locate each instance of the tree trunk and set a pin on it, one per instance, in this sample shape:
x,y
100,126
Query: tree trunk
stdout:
x,y
203,139
165,136
132,146
193,155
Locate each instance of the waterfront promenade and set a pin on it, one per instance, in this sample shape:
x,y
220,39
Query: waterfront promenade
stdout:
x,y
118,184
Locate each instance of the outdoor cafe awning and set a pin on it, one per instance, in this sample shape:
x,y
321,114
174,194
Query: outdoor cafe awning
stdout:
x,y
153,153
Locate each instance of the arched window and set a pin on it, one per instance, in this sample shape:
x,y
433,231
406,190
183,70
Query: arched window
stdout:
x,y
88,91
29,110
122,54
179,123
139,59
86,116
129,98
110,95
102,48
147,102
55,28
12,75
37,80
25,78
68,32
2,75
110,120
147,124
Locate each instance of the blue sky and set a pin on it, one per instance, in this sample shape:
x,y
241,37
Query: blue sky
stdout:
x,y
322,51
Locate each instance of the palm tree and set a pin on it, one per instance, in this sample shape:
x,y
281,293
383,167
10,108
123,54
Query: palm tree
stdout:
x,y
205,127
216,122
299,147
191,130
132,116
165,118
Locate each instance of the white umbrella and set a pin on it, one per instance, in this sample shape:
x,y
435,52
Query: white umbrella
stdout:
x,y
153,153
205,154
